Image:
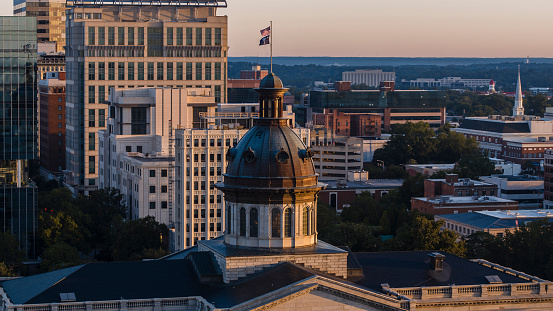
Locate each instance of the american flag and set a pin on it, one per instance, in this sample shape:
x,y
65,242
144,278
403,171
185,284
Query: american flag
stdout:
x,y
265,32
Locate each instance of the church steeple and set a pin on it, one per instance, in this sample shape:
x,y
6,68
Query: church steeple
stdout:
x,y
518,109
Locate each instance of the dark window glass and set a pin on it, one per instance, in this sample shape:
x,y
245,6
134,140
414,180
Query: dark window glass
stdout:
x,y
254,223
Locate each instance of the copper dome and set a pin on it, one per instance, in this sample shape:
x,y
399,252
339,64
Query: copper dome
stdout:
x,y
270,155
271,81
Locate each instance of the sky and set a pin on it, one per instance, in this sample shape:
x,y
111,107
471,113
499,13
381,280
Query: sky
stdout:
x,y
389,28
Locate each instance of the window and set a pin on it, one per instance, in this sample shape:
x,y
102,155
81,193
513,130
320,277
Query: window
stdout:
x,y
152,173
163,204
198,71
140,71
188,71
152,189
101,93
150,71
275,223
288,222
208,36
254,222
91,71
128,148
163,172
169,71
130,75
91,118
169,35
188,36
101,35
140,35
217,93
159,71
111,71
139,149
130,36
179,71
305,221
121,36
121,71
101,71
101,117
217,71
179,36
152,205
163,189
207,73
199,36
217,36
92,165
91,94
111,35
155,42
243,221
229,220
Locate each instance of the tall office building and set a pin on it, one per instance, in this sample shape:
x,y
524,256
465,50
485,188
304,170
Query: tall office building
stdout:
x,y
50,16
18,129
128,44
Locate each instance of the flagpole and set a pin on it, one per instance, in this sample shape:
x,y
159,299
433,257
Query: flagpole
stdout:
x,y
271,45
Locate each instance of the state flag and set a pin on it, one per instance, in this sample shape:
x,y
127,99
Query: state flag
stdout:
x,y
264,40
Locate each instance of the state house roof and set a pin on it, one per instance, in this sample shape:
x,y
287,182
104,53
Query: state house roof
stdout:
x,y
146,279
488,125
412,269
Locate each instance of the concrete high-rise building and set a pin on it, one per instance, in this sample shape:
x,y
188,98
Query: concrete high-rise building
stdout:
x,y
18,129
52,121
50,17
135,151
126,44
369,77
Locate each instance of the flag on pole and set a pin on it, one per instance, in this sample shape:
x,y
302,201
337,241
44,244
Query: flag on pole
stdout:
x,y
265,32
264,40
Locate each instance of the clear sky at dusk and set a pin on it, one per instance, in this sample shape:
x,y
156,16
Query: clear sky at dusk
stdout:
x,y
389,28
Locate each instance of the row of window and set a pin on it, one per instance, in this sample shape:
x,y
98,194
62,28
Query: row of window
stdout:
x,y
163,205
203,142
201,199
201,228
171,51
92,114
250,227
154,36
154,71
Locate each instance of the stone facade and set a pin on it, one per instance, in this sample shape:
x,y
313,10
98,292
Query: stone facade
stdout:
x,y
234,268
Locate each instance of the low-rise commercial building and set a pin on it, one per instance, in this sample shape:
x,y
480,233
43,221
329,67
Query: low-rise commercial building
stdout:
x,y
493,222
335,156
454,205
345,124
460,187
528,191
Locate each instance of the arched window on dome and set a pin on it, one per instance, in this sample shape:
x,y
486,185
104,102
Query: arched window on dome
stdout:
x,y
254,223
288,222
229,220
275,223
243,221
305,221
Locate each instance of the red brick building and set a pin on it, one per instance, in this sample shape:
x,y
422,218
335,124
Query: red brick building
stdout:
x,y
256,73
455,205
52,121
454,186
346,124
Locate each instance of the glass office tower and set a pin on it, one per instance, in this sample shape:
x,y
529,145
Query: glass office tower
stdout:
x,y
18,128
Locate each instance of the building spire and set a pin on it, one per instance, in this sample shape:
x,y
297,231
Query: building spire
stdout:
x,y
518,109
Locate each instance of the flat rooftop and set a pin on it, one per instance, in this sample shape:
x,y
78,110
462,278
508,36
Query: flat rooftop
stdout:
x,y
465,200
370,184
499,219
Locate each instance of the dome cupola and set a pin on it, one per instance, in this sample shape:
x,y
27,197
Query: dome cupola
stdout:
x,y
270,184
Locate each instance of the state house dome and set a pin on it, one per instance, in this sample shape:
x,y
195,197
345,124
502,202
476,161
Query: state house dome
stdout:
x,y
270,184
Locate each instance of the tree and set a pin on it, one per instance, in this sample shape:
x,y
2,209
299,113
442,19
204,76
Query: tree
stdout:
x,y
452,146
358,237
425,234
362,210
474,165
58,256
141,238
10,251
326,218
6,270
106,214
408,141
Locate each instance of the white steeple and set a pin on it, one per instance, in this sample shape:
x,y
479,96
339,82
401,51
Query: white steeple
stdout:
x,y
518,109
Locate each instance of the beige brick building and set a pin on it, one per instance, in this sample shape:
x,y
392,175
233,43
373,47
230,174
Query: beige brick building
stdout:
x,y
128,46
